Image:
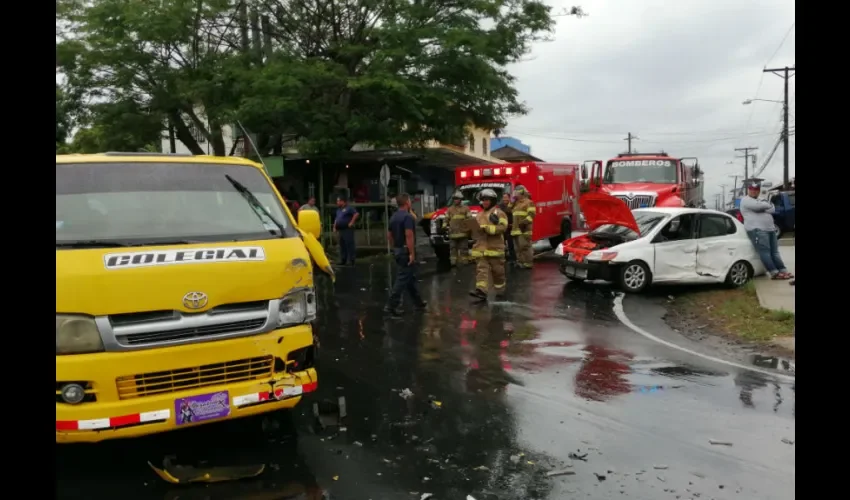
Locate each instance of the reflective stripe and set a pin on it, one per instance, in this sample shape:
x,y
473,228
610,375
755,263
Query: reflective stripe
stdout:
x,y
499,287
476,253
456,217
457,235
527,233
489,229
520,213
113,422
516,232
279,393
481,285
494,253
532,209
503,221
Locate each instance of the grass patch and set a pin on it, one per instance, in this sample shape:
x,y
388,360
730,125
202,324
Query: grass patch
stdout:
x,y
736,312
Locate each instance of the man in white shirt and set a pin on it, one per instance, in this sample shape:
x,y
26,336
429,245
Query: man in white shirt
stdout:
x,y
758,221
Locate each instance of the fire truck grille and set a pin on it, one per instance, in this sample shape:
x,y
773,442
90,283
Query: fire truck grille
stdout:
x,y
639,201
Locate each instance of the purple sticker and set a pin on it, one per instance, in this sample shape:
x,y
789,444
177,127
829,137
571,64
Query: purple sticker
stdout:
x,y
202,408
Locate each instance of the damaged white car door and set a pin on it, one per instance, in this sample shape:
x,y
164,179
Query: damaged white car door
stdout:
x,y
676,251
717,249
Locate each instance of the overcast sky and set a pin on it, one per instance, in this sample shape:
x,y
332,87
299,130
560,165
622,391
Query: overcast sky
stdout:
x,y
672,73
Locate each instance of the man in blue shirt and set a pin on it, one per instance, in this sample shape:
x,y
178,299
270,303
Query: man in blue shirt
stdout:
x,y
346,216
402,236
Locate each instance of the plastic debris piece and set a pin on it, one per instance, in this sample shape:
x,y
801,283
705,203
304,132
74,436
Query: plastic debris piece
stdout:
x,y
660,467
481,467
180,474
406,393
470,497
336,478
787,441
720,443
576,456
436,405
358,443
426,496
562,472
530,462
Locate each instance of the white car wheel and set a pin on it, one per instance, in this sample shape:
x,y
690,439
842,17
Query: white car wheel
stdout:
x,y
634,277
739,274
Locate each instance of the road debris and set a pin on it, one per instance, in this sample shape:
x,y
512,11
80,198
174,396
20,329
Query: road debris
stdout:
x,y
660,467
661,478
358,443
720,443
787,441
561,472
481,467
406,393
576,456
426,496
181,474
336,478
600,477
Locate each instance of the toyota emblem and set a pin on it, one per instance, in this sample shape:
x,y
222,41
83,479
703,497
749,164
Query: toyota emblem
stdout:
x,y
195,300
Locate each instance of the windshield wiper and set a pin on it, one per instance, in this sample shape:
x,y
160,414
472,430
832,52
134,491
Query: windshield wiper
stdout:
x,y
255,204
92,244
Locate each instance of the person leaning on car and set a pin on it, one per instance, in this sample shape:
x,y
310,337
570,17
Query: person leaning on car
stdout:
x,y
758,222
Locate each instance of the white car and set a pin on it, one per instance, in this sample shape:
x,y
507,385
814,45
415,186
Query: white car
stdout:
x,y
658,245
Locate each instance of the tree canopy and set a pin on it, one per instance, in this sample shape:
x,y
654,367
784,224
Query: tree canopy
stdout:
x,y
328,73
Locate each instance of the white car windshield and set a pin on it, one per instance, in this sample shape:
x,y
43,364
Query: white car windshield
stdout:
x,y
151,202
646,220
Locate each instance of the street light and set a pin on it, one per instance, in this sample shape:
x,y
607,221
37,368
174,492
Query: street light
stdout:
x,y
750,101
784,126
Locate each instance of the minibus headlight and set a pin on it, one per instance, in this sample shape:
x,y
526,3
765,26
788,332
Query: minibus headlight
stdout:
x,y
297,307
77,335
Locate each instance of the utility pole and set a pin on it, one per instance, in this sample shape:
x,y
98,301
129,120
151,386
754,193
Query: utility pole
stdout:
x,y
784,74
723,195
734,185
629,138
746,158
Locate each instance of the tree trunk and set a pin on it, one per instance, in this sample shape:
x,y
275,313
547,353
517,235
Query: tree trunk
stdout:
x,y
184,134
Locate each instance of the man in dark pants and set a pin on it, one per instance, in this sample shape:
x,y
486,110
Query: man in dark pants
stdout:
x,y
402,236
346,216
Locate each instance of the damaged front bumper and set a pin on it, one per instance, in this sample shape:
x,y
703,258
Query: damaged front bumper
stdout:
x,y
137,395
587,269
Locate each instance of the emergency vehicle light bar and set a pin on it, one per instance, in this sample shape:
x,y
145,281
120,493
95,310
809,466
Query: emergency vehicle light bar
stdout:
x,y
490,172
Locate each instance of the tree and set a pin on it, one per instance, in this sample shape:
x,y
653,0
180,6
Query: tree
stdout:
x,y
118,126
331,73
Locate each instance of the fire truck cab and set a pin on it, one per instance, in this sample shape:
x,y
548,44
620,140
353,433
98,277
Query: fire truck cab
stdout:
x,y
647,180
554,189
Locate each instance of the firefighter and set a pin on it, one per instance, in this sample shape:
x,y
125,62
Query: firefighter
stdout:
x,y
489,247
458,216
523,215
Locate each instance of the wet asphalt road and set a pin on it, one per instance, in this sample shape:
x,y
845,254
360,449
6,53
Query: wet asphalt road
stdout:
x,y
501,394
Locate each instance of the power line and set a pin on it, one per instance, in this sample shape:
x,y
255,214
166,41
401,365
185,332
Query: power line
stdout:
x,y
616,130
761,78
573,139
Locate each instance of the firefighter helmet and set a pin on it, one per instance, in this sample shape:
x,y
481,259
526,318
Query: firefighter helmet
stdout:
x,y
457,195
486,194
520,189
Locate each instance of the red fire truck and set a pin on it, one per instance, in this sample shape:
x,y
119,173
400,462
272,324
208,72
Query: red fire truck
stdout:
x,y
648,180
554,188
